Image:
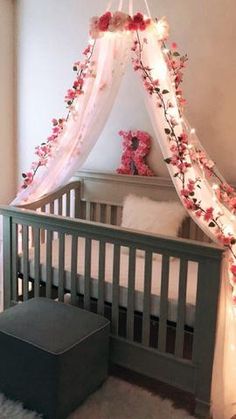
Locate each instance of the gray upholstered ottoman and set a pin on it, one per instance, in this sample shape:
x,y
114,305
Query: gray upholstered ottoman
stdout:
x,y
52,355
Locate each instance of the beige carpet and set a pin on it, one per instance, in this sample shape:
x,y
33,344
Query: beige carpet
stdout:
x,y
117,399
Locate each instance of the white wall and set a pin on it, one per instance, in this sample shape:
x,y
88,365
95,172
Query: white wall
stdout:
x,y
7,146
51,35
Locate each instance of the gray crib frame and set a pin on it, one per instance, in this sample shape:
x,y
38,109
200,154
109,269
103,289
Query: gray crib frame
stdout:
x,y
94,197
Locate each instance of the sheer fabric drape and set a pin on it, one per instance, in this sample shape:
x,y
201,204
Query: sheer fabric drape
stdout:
x,y
224,374
84,128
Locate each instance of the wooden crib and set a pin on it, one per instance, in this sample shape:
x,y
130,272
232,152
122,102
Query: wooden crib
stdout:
x,y
146,336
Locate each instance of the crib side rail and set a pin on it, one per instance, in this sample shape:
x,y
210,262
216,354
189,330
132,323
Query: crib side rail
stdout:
x,y
65,201
193,375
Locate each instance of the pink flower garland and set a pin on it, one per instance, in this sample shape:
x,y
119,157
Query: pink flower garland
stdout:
x,y
136,146
44,151
118,21
183,155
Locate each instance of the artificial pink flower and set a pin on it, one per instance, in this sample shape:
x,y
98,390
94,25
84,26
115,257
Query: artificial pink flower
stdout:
x,y
225,240
70,95
191,185
174,46
233,269
184,192
227,188
94,27
232,204
118,21
104,21
138,18
87,50
184,137
208,214
189,204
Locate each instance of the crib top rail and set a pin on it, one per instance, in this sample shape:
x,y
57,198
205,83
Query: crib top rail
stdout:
x,y
75,185
177,247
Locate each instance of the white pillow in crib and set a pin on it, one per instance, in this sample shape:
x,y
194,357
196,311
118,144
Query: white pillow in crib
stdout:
x,y
156,217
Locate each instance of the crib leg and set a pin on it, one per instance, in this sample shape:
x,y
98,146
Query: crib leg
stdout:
x,y
202,409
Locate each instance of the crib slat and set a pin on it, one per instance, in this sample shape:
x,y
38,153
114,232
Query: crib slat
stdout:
x,y
60,205
87,273
52,207
74,257
14,261
36,261
147,299
131,289
108,214
98,212
49,264
61,256
193,230
77,202
88,210
42,239
115,290
68,204
164,304
179,343
118,216
25,242
101,277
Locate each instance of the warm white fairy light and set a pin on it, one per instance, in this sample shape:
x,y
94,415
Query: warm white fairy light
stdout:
x,y
166,50
193,131
215,187
228,229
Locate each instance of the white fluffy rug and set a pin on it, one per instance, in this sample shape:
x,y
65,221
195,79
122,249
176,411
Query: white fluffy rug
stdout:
x,y
117,399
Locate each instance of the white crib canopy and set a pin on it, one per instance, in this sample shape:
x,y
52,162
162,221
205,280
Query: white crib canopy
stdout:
x,y
116,37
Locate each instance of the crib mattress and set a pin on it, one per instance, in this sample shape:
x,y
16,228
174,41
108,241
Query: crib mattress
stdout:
x,y
173,290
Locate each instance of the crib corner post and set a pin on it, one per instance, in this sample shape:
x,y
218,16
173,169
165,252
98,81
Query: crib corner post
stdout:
x,y
209,277
7,261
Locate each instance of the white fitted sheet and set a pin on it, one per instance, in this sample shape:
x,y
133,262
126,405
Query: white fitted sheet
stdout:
x,y
139,277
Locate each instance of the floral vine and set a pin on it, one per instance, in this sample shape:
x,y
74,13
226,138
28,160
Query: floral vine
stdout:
x,y
183,155
136,145
44,150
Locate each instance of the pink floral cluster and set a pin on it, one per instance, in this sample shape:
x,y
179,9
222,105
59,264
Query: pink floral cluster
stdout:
x,y
224,192
176,63
118,21
136,146
44,151
179,149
